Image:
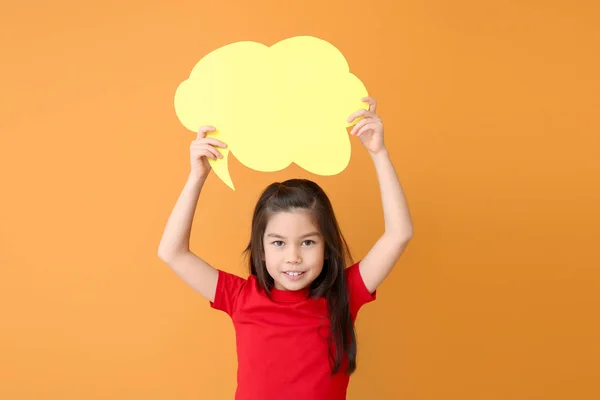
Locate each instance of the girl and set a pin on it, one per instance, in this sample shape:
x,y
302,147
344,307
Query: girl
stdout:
x,y
294,315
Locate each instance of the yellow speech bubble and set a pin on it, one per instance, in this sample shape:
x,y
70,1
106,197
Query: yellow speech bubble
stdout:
x,y
274,105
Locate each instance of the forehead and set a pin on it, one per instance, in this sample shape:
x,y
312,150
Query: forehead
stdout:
x,y
292,223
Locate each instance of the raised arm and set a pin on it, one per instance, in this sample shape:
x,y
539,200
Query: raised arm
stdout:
x,y
174,247
386,252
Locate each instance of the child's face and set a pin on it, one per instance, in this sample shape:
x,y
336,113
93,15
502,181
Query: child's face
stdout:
x,y
294,250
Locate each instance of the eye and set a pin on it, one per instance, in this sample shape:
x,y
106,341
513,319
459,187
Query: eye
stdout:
x,y
277,241
311,241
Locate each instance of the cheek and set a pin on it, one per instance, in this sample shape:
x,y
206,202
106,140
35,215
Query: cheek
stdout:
x,y
317,259
270,255
321,253
271,267
271,260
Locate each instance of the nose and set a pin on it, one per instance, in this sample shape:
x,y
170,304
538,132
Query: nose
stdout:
x,y
293,256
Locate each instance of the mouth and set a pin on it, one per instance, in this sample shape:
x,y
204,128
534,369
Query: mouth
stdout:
x,y
293,275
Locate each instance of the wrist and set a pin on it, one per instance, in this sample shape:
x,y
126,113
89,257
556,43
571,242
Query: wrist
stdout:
x,y
196,177
382,153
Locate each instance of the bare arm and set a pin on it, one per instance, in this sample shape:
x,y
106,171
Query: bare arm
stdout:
x,y
380,260
382,257
174,247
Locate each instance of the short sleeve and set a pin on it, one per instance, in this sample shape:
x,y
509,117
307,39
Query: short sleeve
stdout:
x,y
358,293
228,290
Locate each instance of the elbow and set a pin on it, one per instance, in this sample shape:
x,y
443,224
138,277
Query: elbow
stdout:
x,y
395,242
162,255
402,237
168,251
404,240
169,256
399,242
165,255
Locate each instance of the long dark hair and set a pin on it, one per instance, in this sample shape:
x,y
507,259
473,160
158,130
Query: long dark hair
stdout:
x,y
304,194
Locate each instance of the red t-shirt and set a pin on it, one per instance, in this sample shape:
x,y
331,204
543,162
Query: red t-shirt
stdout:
x,y
282,346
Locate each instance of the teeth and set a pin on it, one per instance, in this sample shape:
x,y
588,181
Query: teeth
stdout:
x,y
293,273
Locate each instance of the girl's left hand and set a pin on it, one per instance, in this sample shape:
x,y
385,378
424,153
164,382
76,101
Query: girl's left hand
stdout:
x,y
370,129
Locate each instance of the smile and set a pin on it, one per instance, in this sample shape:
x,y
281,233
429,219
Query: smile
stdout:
x,y
293,273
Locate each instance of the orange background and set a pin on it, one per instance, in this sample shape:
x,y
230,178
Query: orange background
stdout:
x,y
491,117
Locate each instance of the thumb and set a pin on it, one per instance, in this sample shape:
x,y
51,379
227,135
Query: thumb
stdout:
x,y
202,131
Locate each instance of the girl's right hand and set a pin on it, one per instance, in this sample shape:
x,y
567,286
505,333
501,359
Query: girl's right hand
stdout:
x,y
201,149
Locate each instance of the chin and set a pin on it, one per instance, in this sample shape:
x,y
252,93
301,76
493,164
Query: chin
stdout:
x,y
292,286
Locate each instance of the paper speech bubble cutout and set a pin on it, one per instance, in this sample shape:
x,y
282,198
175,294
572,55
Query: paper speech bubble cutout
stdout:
x,y
274,105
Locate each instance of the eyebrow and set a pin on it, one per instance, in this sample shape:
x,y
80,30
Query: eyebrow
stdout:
x,y
275,235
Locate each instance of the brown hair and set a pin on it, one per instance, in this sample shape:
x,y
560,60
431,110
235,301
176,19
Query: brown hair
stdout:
x,y
304,194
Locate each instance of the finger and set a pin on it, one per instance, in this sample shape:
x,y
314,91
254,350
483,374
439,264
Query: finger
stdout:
x,y
360,113
203,130
208,153
202,148
372,103
359,125
215,151
366,128
213,141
